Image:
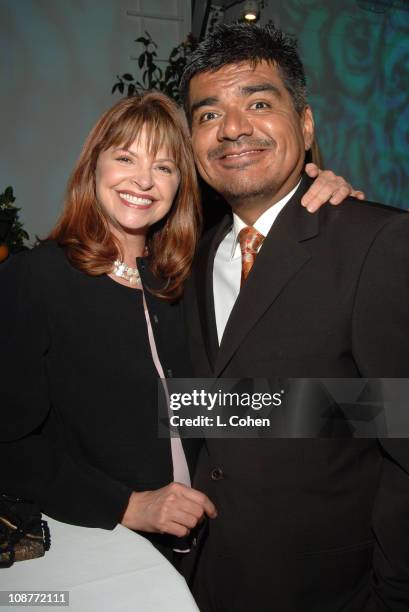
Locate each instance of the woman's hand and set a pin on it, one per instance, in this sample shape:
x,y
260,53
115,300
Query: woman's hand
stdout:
x,y
328,187
173,509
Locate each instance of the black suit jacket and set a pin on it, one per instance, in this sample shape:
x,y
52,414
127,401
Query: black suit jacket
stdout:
x,y
308,525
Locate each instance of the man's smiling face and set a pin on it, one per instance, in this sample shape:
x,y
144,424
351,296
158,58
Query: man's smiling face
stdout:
x,y
248,139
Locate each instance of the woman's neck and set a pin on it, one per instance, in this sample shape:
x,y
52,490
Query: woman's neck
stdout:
x,y
132,246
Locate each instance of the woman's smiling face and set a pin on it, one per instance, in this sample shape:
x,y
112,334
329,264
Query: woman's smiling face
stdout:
x,y
135,187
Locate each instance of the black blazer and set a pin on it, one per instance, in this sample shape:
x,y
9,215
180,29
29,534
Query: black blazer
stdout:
x,y
308,525
79,412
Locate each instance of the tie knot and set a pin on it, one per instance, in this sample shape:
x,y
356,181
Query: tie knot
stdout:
x,y
250,240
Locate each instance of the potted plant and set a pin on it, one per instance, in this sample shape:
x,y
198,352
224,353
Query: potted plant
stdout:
x,y
153,76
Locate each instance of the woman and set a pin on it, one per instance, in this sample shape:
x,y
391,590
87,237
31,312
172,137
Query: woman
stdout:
x,y
80,361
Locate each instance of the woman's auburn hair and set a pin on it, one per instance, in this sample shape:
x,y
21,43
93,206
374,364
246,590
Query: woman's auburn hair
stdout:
x,y
83,229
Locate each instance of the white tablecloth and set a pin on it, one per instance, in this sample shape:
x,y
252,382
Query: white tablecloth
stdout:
x,y
104,571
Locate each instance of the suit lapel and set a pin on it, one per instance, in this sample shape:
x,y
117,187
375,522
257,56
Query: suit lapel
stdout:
x,y
204,287
279,260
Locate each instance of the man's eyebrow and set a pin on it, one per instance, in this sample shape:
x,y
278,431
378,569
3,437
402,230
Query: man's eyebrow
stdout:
x,y
203,102
247,90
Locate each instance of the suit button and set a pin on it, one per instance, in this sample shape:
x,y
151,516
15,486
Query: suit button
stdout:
x,y
216,474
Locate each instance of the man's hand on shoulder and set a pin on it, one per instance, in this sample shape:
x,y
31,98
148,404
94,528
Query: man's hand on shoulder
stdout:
x,y
327,187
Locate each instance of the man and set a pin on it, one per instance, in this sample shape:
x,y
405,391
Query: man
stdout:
x,y
303,525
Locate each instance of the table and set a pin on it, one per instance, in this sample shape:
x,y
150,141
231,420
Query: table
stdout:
x,y
104,571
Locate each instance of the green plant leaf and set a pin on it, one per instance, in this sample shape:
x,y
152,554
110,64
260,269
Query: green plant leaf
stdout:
x,y
9,194
127,77
144,41
152,42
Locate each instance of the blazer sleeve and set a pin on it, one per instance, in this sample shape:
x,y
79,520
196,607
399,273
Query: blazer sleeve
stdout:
x,y
32,467
381,340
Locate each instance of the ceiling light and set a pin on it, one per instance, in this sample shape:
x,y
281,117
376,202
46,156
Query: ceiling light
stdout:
x,y
251,10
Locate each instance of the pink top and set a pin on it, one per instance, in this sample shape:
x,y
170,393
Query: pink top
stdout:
x,y
180,467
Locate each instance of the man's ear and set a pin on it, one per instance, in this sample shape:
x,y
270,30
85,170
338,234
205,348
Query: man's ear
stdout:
x,y
307,120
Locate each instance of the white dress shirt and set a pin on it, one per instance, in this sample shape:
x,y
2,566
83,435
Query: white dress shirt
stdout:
x,y
227,262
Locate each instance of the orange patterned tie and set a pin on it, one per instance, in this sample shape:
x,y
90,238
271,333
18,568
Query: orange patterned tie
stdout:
x,y
250,241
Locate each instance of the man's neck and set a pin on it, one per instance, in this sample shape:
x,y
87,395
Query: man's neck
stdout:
x,y
252,208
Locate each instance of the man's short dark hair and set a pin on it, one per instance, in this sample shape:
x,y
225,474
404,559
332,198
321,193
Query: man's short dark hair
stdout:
x,y
237,42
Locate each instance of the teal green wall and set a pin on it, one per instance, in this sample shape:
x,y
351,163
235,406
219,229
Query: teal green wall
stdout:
x,y
358,70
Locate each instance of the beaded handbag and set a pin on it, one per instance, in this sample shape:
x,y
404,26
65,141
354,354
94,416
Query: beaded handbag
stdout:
x,y
23,533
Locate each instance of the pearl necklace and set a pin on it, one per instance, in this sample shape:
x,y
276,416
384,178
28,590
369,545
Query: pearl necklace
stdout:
x,y
129,274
